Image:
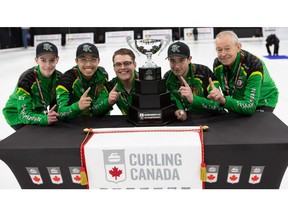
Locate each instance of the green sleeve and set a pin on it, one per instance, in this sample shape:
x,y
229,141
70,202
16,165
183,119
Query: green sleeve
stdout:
x,y
65,110
204,105
101,106
251,96
177,101
25,110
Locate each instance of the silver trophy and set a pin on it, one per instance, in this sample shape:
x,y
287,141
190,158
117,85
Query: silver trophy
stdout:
x,y
151,102
149,47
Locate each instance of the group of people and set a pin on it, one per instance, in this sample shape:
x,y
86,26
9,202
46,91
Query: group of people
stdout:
x,y
240,83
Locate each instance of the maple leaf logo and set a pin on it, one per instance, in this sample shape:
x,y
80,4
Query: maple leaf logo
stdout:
x,y
36,179
255,178
77,178
211,177
56,178
115,172
233,178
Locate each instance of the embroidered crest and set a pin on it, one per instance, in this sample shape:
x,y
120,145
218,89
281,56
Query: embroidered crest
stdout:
x,y
87,48
175,48
239,83
47,47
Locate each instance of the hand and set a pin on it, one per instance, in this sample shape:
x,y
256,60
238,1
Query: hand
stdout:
x,y
186,91
113,95
85,101
52,116
215,94
181,115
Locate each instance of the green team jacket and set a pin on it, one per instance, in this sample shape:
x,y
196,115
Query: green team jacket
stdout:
x,y
72,86
198,80
125,98
254,86
24,105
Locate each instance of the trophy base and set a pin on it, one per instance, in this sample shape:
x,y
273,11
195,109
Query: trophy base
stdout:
x,y
157,101
150,87
151,117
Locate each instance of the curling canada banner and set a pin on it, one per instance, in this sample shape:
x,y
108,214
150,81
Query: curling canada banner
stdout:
x,y
144,158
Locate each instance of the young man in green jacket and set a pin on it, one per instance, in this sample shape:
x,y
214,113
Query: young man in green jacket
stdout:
x,y
122,86
189,83
34,94
79,89
244,79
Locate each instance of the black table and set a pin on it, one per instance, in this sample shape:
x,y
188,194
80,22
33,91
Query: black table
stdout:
x,y
258,140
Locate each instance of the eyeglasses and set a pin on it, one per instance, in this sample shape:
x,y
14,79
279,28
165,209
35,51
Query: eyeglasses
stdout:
x,y
125,64
86,60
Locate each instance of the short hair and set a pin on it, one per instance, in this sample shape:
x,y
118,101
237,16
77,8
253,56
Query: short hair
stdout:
x,y
228,33
124,51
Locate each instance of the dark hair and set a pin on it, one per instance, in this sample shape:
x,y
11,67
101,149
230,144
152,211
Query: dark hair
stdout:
x,y
124,51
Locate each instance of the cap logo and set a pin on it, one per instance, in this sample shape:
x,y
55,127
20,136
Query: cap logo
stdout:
x,y
47,47
175,48
86,48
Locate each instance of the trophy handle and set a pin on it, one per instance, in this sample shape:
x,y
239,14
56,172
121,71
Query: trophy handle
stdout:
x,y
166,42
129,42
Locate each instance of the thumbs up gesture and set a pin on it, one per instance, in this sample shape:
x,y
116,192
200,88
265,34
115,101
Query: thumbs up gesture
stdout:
x,y
85,101
215,94
113,95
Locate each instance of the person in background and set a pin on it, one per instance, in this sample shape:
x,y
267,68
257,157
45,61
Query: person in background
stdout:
x,y
195,33
79,89
25,34
189,83
244,79
272,40
34,99
122,86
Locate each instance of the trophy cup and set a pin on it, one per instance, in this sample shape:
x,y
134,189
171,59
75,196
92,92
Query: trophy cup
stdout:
x,y
151,103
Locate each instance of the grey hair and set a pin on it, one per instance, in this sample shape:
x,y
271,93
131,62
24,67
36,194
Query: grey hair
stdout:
x,y
228,33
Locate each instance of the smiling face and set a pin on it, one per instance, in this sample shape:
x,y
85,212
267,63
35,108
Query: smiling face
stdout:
x,y
124,67
227,48
179,65
47,64
88,64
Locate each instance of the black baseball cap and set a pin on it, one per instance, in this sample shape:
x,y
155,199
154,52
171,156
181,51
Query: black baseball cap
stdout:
x,y
87,48
178,49
46,47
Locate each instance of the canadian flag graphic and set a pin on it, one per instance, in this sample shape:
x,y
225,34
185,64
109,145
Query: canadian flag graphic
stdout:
x,y
35,175
234,173
256,174
55,175
212,173
75,174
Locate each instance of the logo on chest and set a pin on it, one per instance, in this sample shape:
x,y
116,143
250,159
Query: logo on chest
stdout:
x,y
239,83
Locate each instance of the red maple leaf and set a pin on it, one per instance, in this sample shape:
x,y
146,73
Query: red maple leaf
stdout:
x,y
56,178
233,178
36,179
115,172
211,177
77,178
255,178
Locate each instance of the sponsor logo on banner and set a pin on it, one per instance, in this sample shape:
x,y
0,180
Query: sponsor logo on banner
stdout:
x,y
256,174
212,173
114,165
35,175
75,174
234,173
55,175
